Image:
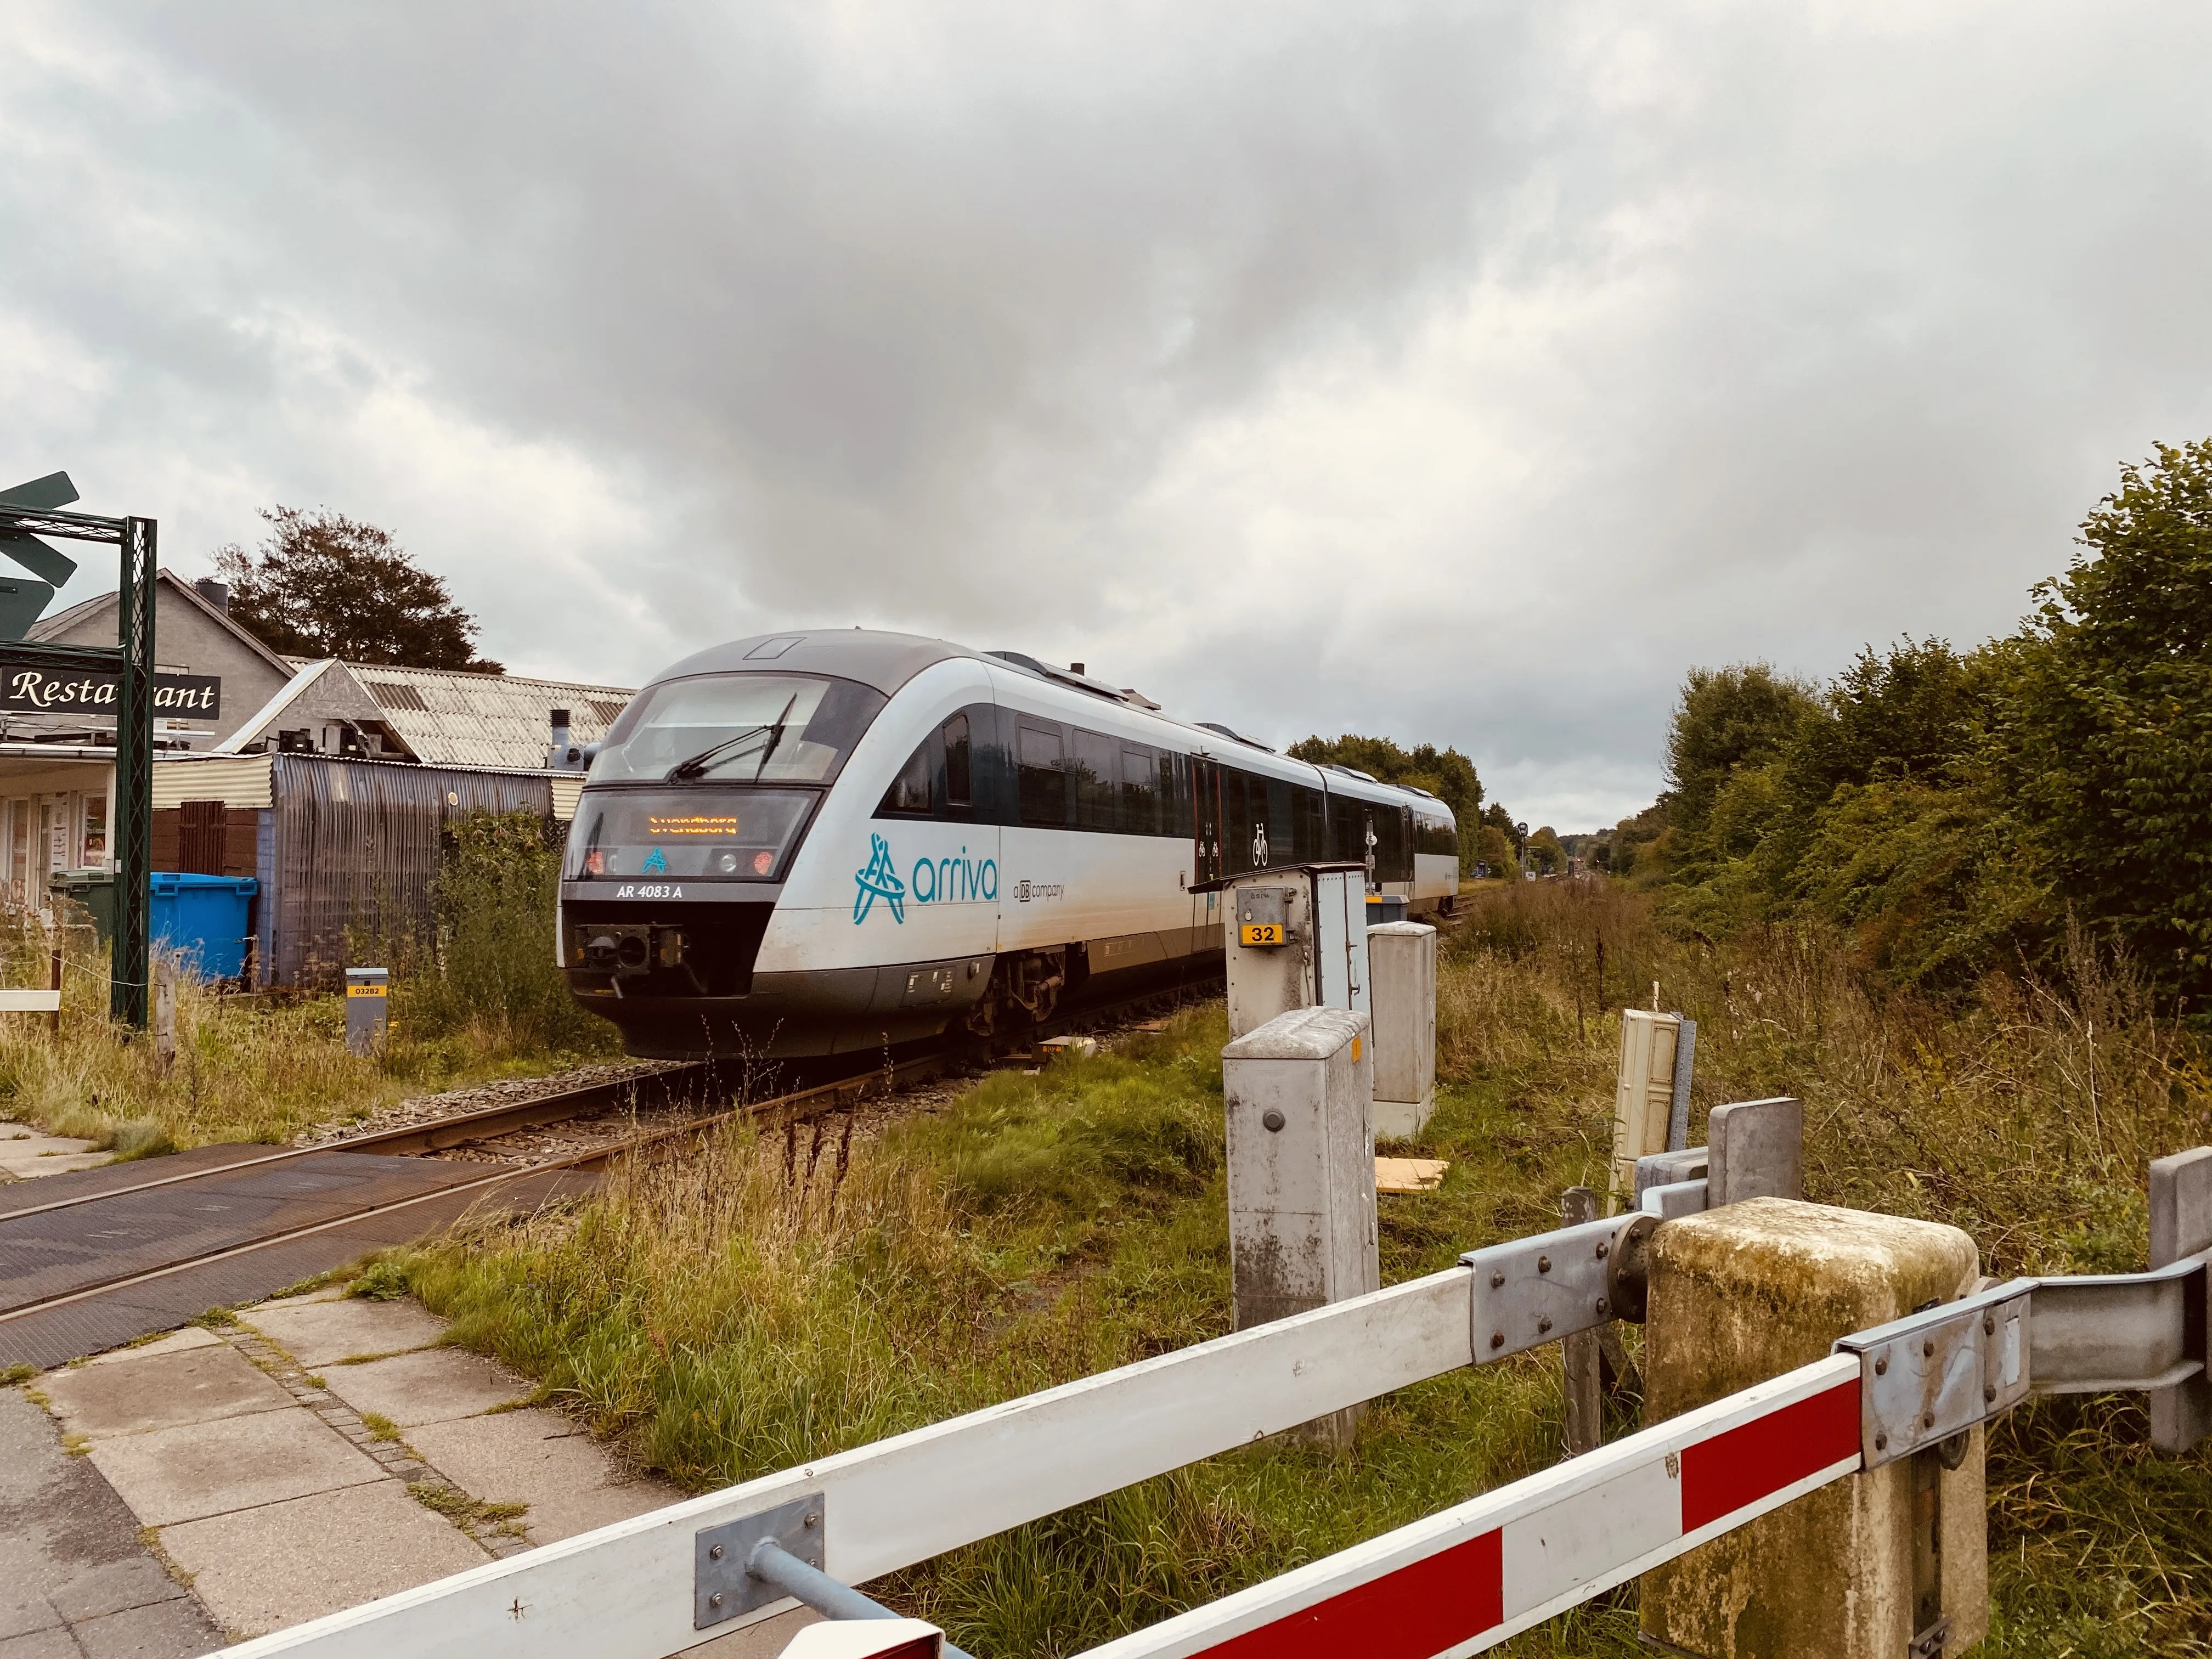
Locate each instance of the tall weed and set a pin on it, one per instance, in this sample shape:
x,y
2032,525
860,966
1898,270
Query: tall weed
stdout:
x,y
484,998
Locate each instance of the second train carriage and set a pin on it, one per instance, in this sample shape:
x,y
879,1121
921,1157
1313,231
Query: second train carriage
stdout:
x,y
809,843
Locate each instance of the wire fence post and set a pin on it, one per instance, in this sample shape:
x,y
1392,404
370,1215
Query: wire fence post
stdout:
x,y
1584,1424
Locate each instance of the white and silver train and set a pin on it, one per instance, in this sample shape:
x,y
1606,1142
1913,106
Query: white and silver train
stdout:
x,y
810,843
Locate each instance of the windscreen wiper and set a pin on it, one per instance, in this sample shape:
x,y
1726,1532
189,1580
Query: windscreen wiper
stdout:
x,y
712,756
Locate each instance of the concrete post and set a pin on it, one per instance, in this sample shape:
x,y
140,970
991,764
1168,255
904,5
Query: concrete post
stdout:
x,y
366,1008
1860,1568
1401,967
165,1010
1302,1171
2180,1226
1755,1149
1585,1421
1644,1097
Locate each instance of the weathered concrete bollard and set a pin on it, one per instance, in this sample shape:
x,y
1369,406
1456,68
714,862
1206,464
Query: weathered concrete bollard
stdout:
x,y
1402,966
1302,1171
1865,1567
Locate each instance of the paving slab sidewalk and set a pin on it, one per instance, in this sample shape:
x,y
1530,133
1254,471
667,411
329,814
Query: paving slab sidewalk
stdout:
x,y
288,1466
25,1153
75,1582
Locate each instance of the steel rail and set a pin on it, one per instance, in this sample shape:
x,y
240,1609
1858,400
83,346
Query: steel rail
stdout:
x,y
438,1135
586,1160
289,1234
795,1106
490,1123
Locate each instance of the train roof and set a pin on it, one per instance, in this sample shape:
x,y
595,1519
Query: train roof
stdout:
x,y
887,661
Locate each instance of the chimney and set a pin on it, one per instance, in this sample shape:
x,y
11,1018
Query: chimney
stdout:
x,y
562,757
214,593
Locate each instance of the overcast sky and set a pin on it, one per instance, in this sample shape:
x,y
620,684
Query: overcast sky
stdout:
x,y
1459,373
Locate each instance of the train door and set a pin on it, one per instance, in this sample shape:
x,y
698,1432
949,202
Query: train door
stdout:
x,y
1205,861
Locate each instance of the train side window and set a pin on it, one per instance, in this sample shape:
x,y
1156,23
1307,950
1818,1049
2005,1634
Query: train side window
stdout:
x,y
1175,796
1277,810
1042,757
909,795
1348,820
1096,783
1140,794
959,786
1308,826
1393,859
993,773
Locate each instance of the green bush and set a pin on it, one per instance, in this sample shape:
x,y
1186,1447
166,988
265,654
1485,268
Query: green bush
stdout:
x,y
493,970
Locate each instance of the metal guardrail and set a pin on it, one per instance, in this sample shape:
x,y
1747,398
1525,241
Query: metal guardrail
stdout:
x,y
1458,1581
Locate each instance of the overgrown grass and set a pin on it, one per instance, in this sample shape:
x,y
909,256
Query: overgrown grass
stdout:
x,y
482,999
2026,1114
769,1302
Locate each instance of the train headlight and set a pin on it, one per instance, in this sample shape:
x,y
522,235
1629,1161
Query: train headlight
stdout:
x,y
727,861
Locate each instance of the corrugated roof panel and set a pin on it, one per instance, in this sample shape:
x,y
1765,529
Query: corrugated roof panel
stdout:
x,y
485,719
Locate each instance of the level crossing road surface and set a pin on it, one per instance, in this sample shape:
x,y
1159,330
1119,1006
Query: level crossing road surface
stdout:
x,y
97,1258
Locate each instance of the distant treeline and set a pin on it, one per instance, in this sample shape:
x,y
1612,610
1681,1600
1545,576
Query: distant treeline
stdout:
x,y
1955,812
1485,834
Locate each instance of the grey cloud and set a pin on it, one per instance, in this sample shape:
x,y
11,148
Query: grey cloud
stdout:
x,y
1130,335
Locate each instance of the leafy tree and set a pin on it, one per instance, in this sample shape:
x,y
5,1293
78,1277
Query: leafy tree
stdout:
x,y
1446,774
327,585
1546,852
2104,739
1492,847
1912,712
1639,846
1729,718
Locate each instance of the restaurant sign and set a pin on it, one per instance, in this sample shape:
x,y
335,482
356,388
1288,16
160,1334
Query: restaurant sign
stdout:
x,y
27,688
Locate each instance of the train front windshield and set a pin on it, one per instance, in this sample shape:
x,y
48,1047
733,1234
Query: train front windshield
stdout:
x,y
736,728
685,785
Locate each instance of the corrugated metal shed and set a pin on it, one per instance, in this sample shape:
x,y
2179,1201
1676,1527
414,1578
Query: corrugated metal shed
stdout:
x,y
346,850
350,851
484,720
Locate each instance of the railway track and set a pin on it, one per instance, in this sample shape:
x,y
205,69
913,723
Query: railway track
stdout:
x,y
105,1256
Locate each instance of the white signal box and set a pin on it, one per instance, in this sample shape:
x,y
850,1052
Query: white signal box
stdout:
x,y
1301,1171
1643,1098
1295,937
1401,955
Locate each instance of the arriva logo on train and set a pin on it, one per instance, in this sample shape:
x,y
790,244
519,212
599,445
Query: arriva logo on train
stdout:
x,y
954,880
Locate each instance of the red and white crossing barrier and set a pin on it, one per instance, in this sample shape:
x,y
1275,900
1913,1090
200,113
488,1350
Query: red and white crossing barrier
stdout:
x,y
1469,1578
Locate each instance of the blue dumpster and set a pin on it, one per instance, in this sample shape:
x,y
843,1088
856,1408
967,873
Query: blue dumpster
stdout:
x,y
203,920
